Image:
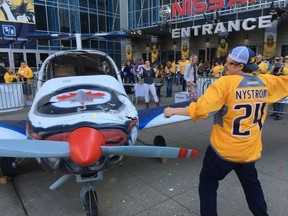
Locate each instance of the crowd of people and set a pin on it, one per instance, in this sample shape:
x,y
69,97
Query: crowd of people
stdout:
x,y
24,75
185,72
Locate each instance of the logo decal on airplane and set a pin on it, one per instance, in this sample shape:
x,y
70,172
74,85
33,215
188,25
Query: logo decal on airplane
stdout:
x,y
83,97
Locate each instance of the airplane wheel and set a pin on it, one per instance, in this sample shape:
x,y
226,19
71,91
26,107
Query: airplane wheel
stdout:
x,y
90,201
159,141
8,166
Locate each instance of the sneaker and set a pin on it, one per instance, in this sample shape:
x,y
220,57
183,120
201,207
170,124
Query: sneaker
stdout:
x,y
273,114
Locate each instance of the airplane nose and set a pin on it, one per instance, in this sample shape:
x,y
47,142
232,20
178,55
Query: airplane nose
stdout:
x,y
85,146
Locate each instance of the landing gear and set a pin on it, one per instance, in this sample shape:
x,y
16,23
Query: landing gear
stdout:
x,y
89,200
8,166
159,141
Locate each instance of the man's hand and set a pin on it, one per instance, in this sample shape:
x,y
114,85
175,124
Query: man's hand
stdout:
x,y
168,112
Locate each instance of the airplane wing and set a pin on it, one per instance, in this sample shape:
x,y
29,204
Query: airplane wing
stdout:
x,y
153,117
13,129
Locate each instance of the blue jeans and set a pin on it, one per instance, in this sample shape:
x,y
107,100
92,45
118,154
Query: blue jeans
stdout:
x,y
279,109
169,83
215,169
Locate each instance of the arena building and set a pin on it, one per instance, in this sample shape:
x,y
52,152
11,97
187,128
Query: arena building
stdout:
x,y
158,29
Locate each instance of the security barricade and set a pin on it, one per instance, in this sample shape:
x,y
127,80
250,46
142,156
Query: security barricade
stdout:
x,y
203,83
12,97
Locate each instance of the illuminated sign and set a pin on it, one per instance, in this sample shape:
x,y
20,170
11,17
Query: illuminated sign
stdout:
x,y
197,6
248,24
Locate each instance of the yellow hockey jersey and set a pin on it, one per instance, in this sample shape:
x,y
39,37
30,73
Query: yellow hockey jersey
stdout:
x,y
239,104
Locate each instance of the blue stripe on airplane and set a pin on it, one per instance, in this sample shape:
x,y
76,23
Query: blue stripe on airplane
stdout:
x,y
147,115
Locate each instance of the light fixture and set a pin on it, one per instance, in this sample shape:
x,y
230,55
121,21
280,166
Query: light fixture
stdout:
x,y
245,36
207,40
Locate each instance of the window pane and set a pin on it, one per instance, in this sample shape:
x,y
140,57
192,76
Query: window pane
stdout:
x,y
31,60
93,23
18,57
4,58
41,22
84,23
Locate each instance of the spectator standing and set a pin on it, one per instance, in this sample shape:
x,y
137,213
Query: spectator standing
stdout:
x,y
236,135
25,76
128,72
148,75
181,68
159,79
169,78
140,65
10,76
2,72
218,68
263,66
278,70
285,62
204,69
190,76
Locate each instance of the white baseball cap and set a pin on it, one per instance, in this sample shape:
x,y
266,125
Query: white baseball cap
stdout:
x,y
244,55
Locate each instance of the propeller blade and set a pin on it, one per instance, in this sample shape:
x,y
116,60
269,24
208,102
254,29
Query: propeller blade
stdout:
x,y
149,151
33,148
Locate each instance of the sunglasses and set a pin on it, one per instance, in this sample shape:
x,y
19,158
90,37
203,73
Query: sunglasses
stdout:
x,y
232,63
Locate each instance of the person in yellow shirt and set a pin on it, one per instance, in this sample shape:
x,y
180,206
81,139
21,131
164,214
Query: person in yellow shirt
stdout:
x,y
263,66
218,69
10,76
25,76
239,102
181,68
269,50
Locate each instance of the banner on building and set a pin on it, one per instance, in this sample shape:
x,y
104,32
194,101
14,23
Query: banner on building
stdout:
x,y
17,18
154,54
269,47
185,48
129,51
222,49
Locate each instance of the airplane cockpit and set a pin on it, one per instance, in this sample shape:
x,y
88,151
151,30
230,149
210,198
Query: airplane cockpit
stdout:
x,y
77,63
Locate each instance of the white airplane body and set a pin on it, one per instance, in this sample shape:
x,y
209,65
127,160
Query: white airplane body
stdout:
x,y
81,123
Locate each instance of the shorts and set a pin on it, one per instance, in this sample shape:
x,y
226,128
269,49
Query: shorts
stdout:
x,y
27,88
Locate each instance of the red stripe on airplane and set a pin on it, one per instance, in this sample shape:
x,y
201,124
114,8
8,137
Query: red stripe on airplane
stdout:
x,y
182,153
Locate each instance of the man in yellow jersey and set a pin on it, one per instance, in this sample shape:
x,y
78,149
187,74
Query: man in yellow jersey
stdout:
x,y
239,101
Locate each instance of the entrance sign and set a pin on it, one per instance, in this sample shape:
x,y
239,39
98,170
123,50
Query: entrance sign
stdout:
x,y
248,24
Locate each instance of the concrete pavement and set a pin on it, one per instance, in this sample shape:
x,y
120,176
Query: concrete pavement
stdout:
x,y
142,186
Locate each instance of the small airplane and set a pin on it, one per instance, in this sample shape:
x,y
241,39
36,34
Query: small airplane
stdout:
x,y
82,123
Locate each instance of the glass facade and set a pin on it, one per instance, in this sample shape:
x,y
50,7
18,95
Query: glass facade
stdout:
x,y
72,16
145,13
